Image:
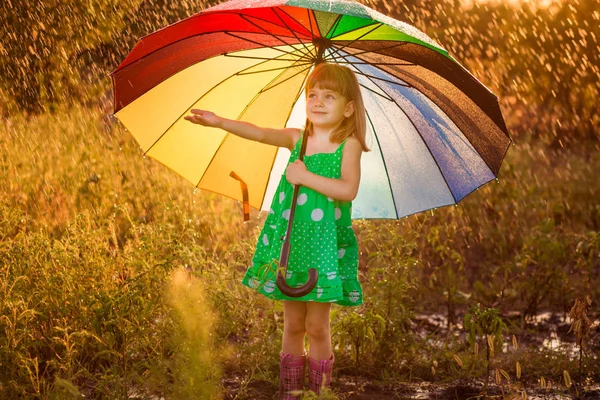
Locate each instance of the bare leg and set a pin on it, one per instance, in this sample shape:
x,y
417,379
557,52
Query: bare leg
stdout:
x,y
294,315
317,328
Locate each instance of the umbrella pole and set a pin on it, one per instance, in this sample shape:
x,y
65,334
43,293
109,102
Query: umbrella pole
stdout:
x,y
285,247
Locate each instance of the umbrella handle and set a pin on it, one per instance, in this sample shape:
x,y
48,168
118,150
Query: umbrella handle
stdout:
x,y
300,291
286,289
313,274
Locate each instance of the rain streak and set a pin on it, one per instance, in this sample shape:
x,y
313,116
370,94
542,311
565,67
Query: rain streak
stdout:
x,y
119,279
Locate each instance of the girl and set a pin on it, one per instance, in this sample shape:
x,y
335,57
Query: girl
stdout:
x,y
322,235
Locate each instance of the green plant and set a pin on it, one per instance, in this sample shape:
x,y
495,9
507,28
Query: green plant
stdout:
x,y
360,332
542,266
580,326
448,264
389,259
195,365
486,325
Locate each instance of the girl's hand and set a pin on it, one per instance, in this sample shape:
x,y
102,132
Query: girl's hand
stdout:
x,y
204,118
296,172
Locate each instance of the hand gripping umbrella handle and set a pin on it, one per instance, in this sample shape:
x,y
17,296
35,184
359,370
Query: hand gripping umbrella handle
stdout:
x,y
285,248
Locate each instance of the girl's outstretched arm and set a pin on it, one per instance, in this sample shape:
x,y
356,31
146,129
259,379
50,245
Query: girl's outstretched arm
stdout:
x,y
276,137
345,188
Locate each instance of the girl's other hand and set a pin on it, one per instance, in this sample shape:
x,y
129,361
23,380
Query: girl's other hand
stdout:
x,y
295,172
204,118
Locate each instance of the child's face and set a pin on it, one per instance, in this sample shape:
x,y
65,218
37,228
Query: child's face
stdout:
x,y
326,108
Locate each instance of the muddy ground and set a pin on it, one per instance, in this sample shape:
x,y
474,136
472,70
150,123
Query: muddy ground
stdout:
x,y
546,332
347,389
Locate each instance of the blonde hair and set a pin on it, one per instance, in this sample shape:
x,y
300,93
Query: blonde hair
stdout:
x,y
342,80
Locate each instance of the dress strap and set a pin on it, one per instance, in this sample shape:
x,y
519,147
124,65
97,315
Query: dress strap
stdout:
x,y
296,150
341,146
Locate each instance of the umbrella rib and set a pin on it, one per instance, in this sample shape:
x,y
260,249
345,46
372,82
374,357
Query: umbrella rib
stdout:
x,y
406,64
358,38
195,101
382,79
238,118
387,175
245,17
297,97
357,71
416,130
259,58
374,22
267,32
378,50
310,22
335,24
378,94
164,47
200,15
465,138
286,79
273,69
286,121
184,39
287,26
261,44
309,56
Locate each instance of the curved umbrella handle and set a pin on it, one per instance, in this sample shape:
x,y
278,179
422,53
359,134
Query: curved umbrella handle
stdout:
x,y
286,289
303,290
313,274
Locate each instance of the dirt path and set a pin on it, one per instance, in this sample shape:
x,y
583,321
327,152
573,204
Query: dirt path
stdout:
x,y
346,388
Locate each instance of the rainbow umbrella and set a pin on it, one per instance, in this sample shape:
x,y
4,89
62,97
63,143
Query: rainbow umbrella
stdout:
x,y
435,131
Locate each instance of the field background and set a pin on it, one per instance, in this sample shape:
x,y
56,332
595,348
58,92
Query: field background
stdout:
x,y
117,280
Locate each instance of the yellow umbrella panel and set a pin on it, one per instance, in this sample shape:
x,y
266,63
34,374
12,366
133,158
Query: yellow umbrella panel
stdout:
x,y
259,86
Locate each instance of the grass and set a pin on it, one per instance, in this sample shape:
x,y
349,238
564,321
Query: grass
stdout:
x,y
117,280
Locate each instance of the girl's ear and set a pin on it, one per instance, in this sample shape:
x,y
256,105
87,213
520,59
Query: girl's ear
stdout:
x,y
349,109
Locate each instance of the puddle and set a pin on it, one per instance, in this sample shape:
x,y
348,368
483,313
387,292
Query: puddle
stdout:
x,y
550,327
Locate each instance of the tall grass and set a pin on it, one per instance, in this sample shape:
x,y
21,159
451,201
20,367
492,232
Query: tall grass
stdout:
x,y
117,281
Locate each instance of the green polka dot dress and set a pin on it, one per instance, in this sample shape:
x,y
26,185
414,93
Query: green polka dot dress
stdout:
x,y
322,238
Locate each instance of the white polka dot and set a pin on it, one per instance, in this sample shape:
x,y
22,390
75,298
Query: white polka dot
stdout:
x,y
281,196
289,275
329,199
286,214
252,283
338,213
317,214
354,296
319,292
265,240
331,275
271,211
273,226
302,199
269,287
341,253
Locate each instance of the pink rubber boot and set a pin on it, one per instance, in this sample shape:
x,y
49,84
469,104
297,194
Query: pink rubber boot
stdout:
x,y
291,375
319,373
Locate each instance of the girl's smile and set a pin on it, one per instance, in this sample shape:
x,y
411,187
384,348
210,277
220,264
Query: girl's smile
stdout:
x,y
326,108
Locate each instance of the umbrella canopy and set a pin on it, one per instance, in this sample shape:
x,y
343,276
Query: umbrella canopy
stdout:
x,y
436,133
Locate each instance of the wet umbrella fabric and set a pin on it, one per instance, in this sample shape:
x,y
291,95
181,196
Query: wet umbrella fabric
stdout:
x,y
435,131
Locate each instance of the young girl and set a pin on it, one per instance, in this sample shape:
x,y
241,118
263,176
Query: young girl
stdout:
x,y
322,235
